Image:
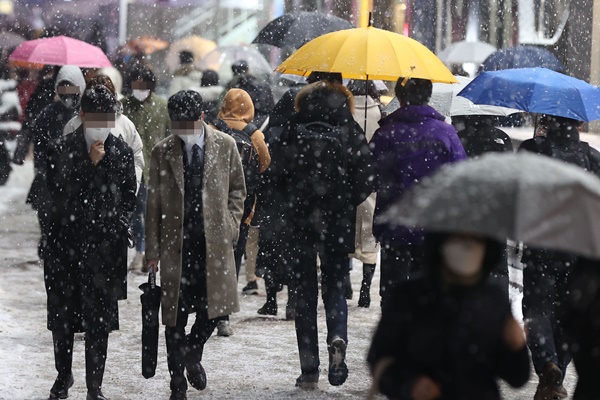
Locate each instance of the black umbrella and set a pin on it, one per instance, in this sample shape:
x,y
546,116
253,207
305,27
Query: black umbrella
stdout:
x,y
299,27
522,57
150,299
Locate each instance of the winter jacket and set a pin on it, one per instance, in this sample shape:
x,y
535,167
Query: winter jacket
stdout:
x,y
125,129
223,195
85,267
479,136
411,143
185,77
48,127
151,119
280,119
449,333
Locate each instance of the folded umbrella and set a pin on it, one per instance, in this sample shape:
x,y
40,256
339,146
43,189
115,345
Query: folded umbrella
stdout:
x,y
60,50
524,197
150,299
536,90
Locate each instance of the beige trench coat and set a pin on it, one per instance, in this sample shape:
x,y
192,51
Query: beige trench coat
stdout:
x,y
223,197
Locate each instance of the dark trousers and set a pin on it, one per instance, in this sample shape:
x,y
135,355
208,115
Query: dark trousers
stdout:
x,y
544,296
182,348
43,216
240,247
139,222
96,346
334,267
398,264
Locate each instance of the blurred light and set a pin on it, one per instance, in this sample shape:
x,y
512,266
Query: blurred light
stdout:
x,y
6,7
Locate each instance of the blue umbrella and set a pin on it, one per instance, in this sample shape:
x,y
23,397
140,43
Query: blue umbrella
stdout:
x,y
536,90
521,57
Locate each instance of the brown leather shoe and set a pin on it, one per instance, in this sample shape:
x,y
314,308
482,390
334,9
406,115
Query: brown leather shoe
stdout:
x,y
549,381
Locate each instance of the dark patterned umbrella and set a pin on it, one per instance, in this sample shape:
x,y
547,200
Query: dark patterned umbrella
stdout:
x,y
150,299
297,28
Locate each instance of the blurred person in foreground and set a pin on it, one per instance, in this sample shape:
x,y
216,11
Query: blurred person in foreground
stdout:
x,y
366,245
411,143
91,181
321,213
123,128
449,334
196,198
149,114
547,272
48,127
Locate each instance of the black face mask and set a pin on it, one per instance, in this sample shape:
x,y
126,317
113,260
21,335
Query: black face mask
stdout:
x,y
70,100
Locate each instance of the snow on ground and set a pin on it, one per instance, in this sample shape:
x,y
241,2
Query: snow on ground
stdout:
x,y
258,362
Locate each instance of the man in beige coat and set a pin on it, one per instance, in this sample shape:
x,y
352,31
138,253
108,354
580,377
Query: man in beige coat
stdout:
x,y
196,185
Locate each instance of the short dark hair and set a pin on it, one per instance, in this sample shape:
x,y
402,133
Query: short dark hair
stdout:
x,y
209,78
415,91
186,57
185,105
361,88
98,99
143,73
240,67
101,80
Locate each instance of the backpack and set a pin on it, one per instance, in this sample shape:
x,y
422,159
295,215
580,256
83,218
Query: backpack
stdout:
x,y
319,168
250,163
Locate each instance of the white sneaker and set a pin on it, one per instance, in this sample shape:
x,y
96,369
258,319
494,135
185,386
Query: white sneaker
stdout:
x,y
224,329
137,263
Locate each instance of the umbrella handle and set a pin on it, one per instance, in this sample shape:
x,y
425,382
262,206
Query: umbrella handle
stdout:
x,y
152,278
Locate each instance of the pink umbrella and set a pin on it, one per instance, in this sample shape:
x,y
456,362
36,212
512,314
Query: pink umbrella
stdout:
x,y
60,50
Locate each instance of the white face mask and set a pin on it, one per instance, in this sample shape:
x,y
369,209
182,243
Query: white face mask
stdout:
x,y
96,134
189,138
463,255
141,95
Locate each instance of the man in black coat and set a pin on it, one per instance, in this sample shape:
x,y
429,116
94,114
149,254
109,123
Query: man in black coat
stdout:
x,y
323,222
479,135
546,273
91,183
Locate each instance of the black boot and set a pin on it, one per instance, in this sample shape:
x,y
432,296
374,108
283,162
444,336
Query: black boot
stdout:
x,y
290,307
270,307
365,288
96,345
347,287
63,360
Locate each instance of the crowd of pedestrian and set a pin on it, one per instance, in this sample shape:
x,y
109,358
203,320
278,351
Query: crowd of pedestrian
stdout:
x,y
218,172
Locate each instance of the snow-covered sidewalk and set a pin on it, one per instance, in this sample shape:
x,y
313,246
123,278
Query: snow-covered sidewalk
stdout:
x,y
259,361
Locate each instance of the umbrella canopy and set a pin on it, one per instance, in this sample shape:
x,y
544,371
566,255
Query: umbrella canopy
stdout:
x,y
367,54
525,197
60,50
297,28
466,52
536,90
221,58
150,298
196,45
445,100
522,57
9,39
146,45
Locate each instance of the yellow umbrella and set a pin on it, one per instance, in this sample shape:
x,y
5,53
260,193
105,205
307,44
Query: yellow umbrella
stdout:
x,y
367,54
197,45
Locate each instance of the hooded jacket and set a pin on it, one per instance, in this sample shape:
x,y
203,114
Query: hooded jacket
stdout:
x,y
411,143
237,111
48,127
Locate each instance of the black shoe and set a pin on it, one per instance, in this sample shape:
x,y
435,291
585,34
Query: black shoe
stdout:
x,y
364,300
60,389
270,308
196,375
308,381
250,288
178,396
338,370
95,395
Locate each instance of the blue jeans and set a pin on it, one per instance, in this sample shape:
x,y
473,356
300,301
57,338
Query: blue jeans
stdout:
x,y
334,267
139,218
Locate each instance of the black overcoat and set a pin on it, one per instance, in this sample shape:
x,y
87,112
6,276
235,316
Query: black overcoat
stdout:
x,y
86,265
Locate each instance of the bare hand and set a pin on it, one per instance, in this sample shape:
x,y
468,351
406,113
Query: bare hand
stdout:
x,y
150,265
513,335
97,152
425,388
